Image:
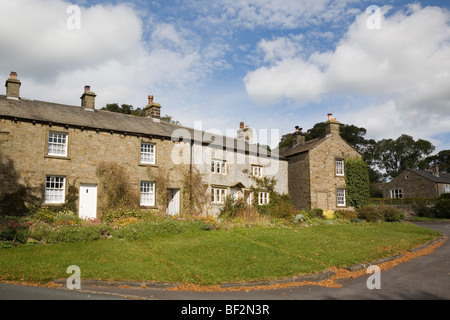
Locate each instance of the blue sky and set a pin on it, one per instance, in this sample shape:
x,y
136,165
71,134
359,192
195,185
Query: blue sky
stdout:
x,y
271,64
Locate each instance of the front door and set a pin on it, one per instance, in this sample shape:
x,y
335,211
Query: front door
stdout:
x,y
174,202
88,201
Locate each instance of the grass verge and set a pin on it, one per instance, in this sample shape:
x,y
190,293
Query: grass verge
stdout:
x,y
214,257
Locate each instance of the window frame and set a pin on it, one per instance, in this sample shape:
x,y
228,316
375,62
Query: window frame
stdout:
x,y
143,153
263,198
218,195
48,189
396,193
257,171
340,167
218,165
48,144
151,191
343,197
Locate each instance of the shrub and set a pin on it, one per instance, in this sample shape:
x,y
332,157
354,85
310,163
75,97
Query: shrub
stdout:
x,y
357,182
46,215
328,214
279,206
442,208
370,213
391,214
422,210
345,214
233,208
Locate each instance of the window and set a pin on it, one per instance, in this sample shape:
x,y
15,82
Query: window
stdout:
x,y
447,188
57,144
218,166
218,195
396,193
341,197
339,164
55,189
263,198
147,193
147,153
257,171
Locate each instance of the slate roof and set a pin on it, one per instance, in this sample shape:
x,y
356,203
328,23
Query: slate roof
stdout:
x,y
77,116
308,145
443,177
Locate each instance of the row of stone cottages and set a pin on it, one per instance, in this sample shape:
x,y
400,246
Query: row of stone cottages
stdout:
x,y
53,146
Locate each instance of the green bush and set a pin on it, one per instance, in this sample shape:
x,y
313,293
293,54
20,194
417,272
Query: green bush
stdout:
x,y
46,215
279,206
233,207
391,214
370,213
442,208
422,210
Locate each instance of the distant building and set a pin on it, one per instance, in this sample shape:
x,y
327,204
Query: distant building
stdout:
x,y
412,183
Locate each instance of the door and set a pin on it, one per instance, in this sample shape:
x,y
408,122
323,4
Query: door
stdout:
x,y
174,202
88,201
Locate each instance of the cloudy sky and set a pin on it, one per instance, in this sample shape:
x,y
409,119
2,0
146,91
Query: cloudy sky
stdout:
x,y
382,65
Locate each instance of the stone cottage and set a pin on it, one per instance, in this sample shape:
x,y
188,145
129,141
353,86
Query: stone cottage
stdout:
x,y
316,169
52,146
414,183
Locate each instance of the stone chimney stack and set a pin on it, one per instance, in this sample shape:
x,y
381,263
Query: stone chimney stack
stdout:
x,y
332,126
245,133
88,98
152,109
298,137
13,86
436,170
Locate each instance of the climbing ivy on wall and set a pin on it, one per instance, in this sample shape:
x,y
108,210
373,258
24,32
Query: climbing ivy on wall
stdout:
x,y
357,182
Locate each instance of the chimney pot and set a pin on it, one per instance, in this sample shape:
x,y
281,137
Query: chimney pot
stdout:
x,y
329,116
150,99
13,75
241,125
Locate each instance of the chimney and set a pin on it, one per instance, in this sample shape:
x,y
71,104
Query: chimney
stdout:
x,y
332,126
152,109
12,86
245,133
298,137
88,98
436,170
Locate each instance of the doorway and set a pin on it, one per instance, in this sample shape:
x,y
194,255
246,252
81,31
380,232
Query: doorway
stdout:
x,y
173,207
88,201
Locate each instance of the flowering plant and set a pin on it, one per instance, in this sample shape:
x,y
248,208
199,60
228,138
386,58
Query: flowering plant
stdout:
x,y
328,214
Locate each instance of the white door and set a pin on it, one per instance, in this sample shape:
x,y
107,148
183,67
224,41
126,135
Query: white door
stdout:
x,y
174,202
88,201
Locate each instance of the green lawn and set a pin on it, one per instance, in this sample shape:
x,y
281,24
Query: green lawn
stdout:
x,y
214,257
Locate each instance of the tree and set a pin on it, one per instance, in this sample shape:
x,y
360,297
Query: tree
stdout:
x,y
124,108
442,160
394,156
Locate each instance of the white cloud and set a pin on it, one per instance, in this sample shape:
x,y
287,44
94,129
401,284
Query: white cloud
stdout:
x,y
405,66
111,52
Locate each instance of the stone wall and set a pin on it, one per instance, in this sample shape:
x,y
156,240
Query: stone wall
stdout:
x,y
299,181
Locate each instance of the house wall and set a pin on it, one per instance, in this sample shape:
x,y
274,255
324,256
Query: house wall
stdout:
x,y
236,164
299,181
324,181
412,186
24,160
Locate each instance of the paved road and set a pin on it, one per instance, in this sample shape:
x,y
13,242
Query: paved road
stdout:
x,y
425,277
